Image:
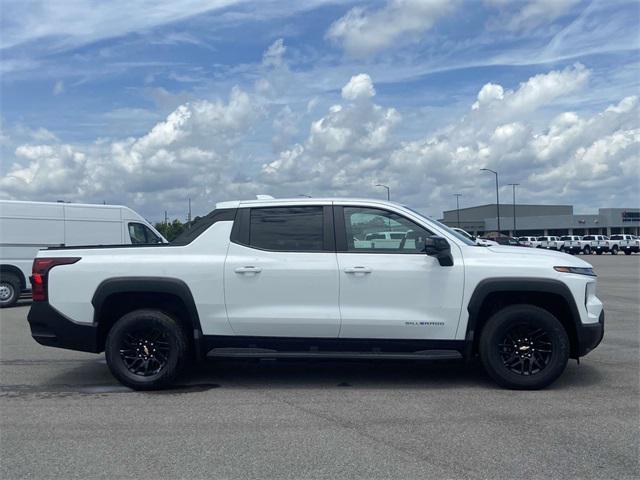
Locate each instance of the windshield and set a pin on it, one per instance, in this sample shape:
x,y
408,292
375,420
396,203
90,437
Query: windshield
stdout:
x,y
458,235
462,232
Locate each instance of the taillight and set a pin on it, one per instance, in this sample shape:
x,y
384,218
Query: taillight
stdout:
x,y
40,274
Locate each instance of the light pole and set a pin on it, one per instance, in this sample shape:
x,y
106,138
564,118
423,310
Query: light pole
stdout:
x,y
458,195
514,185
497,194
384,186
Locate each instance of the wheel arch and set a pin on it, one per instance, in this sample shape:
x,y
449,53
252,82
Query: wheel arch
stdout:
x,y
117,296
8,268
494,294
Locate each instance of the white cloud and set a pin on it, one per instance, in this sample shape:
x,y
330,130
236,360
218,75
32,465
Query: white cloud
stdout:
x,y
556,161
58,88
537,91
487,94
190,153
199,151
82,21
362,32
529,14
275,52
349,137
359,87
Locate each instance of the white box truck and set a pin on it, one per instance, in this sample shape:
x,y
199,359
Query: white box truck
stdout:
x,y
26,227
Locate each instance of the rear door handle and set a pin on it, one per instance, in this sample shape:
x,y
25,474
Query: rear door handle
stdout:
x,y
248,269
357,270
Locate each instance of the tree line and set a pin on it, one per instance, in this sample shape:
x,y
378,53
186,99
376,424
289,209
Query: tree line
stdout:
x,y
172,230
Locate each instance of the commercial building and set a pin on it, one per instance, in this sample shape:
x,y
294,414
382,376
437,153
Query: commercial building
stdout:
x,y
537,220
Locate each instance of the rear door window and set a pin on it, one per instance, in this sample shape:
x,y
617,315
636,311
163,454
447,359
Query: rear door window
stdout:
x,y
287,229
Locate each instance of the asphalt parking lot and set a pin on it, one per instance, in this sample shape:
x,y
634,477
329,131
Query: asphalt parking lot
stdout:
x,y
62,415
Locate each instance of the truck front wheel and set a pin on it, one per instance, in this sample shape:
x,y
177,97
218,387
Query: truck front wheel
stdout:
x,y
146,350
524,347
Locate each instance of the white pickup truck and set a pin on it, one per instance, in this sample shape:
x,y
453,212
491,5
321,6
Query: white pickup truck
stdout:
x,y
285,278
550,243
572,244
529,241
597,243
624,243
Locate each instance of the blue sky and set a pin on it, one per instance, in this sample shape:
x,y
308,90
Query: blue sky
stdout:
x,y
147,103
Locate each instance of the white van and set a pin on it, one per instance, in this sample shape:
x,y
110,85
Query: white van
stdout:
x,y
26,227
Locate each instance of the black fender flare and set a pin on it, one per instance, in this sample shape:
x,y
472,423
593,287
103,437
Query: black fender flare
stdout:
x,y
173,286
516,285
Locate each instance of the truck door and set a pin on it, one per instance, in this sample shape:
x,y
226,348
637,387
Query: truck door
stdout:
x,y
394,290
281,273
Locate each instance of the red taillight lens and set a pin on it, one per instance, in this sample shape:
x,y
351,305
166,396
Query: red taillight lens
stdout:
x,y
41,267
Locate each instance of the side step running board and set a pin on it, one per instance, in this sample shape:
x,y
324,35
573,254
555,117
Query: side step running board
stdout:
x,y
266,353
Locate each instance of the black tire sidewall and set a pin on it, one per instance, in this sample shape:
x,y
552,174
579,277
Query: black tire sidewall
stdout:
x,y
178,352
12,282
495,330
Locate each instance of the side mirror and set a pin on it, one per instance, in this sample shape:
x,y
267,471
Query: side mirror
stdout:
x,y
438,247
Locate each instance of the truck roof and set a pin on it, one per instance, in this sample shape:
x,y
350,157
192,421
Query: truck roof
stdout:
x,y
301,200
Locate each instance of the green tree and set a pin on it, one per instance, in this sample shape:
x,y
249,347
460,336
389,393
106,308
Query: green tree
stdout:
x,y
170,230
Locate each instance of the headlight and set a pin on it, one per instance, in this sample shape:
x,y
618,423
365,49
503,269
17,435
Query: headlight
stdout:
x,y
578,270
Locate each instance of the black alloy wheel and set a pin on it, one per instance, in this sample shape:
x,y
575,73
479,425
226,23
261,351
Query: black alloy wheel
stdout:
x,y
145,352
147,349
526,349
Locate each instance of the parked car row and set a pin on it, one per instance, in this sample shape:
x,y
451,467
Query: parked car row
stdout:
x,y
586,245
573,244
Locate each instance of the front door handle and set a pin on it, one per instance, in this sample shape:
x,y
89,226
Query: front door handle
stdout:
x,y
248,269
357,270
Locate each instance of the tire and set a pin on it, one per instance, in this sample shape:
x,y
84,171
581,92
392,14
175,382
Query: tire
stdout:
x,y
614,250
9,290
157,346
511,367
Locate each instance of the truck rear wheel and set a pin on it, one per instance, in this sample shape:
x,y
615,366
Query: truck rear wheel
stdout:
x,y
146,350
524,347
9,289
614,250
